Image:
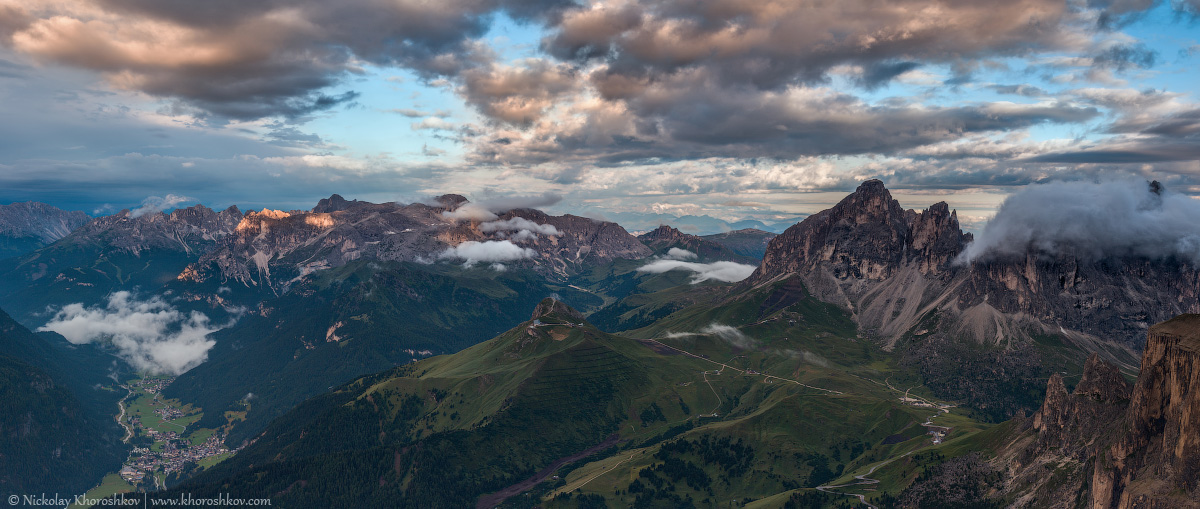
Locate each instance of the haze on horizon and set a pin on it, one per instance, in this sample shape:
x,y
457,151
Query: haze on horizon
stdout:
x,y
631,110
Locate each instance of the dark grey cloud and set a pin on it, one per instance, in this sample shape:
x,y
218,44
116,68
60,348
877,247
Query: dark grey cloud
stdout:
x,y
248,60
1122,57
1117,13
1185,124
696,117
1022,90
1187,8
1152,151
290,136
881,73
774,45
692,80
1142,138
12,69
517,94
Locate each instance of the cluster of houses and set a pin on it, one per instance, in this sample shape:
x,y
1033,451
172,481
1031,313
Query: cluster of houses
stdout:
x,y
176,451
174,455
154,385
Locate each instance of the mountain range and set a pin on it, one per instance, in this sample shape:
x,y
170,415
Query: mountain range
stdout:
x,y
27,226
353,342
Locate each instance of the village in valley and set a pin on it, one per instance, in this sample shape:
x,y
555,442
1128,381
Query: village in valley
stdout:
x,y
165,444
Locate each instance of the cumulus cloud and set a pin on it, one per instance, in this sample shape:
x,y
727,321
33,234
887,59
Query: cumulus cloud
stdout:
x,y
1092,220
150,334
646,119
519,224
248,60
491,251
158,204
680,254
520,93
728,272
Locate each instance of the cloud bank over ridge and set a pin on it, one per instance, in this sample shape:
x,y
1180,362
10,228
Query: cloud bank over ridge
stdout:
x,y
1093,220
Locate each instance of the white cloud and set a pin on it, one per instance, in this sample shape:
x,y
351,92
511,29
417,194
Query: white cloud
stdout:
x,y
158,204
434,123
1092,220
519,224
680,254
150,334
487,209
728,272
487,252
730,334
470,212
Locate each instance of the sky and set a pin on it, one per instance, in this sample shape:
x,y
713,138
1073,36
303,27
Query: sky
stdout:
x,y
629,110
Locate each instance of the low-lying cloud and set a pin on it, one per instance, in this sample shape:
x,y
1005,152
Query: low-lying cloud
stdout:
x,y
487,209
1092,220
680,254
159,203
729,272
519,224
737,338
491,251
150,334
729,334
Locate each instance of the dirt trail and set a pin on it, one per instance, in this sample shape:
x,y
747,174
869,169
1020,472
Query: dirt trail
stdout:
x,y
495,499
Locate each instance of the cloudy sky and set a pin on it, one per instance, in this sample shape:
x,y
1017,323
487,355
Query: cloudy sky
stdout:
x,y
736,109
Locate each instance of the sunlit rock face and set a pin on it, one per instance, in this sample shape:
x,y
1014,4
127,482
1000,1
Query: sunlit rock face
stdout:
x,y
1157,461
273,249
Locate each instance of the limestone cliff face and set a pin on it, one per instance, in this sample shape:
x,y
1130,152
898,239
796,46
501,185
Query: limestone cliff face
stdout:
x,y
865,236
1062,437
1157,461
891,267
1111,446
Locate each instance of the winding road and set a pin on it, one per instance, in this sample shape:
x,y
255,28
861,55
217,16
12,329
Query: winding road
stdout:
x,y
121,416
862,479
742,371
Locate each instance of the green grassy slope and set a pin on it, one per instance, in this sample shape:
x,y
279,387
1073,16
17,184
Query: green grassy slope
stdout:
x,y
650,419
350,321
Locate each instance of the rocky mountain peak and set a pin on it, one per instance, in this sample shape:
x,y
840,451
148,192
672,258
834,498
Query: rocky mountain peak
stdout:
x,y
867,235
665,233
1056,408
334,203
871,202
1102,382
451,201
40,220
551,306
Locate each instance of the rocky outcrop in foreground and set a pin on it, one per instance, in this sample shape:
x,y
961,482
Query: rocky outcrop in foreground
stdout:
x,y
1157,461
1107,446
